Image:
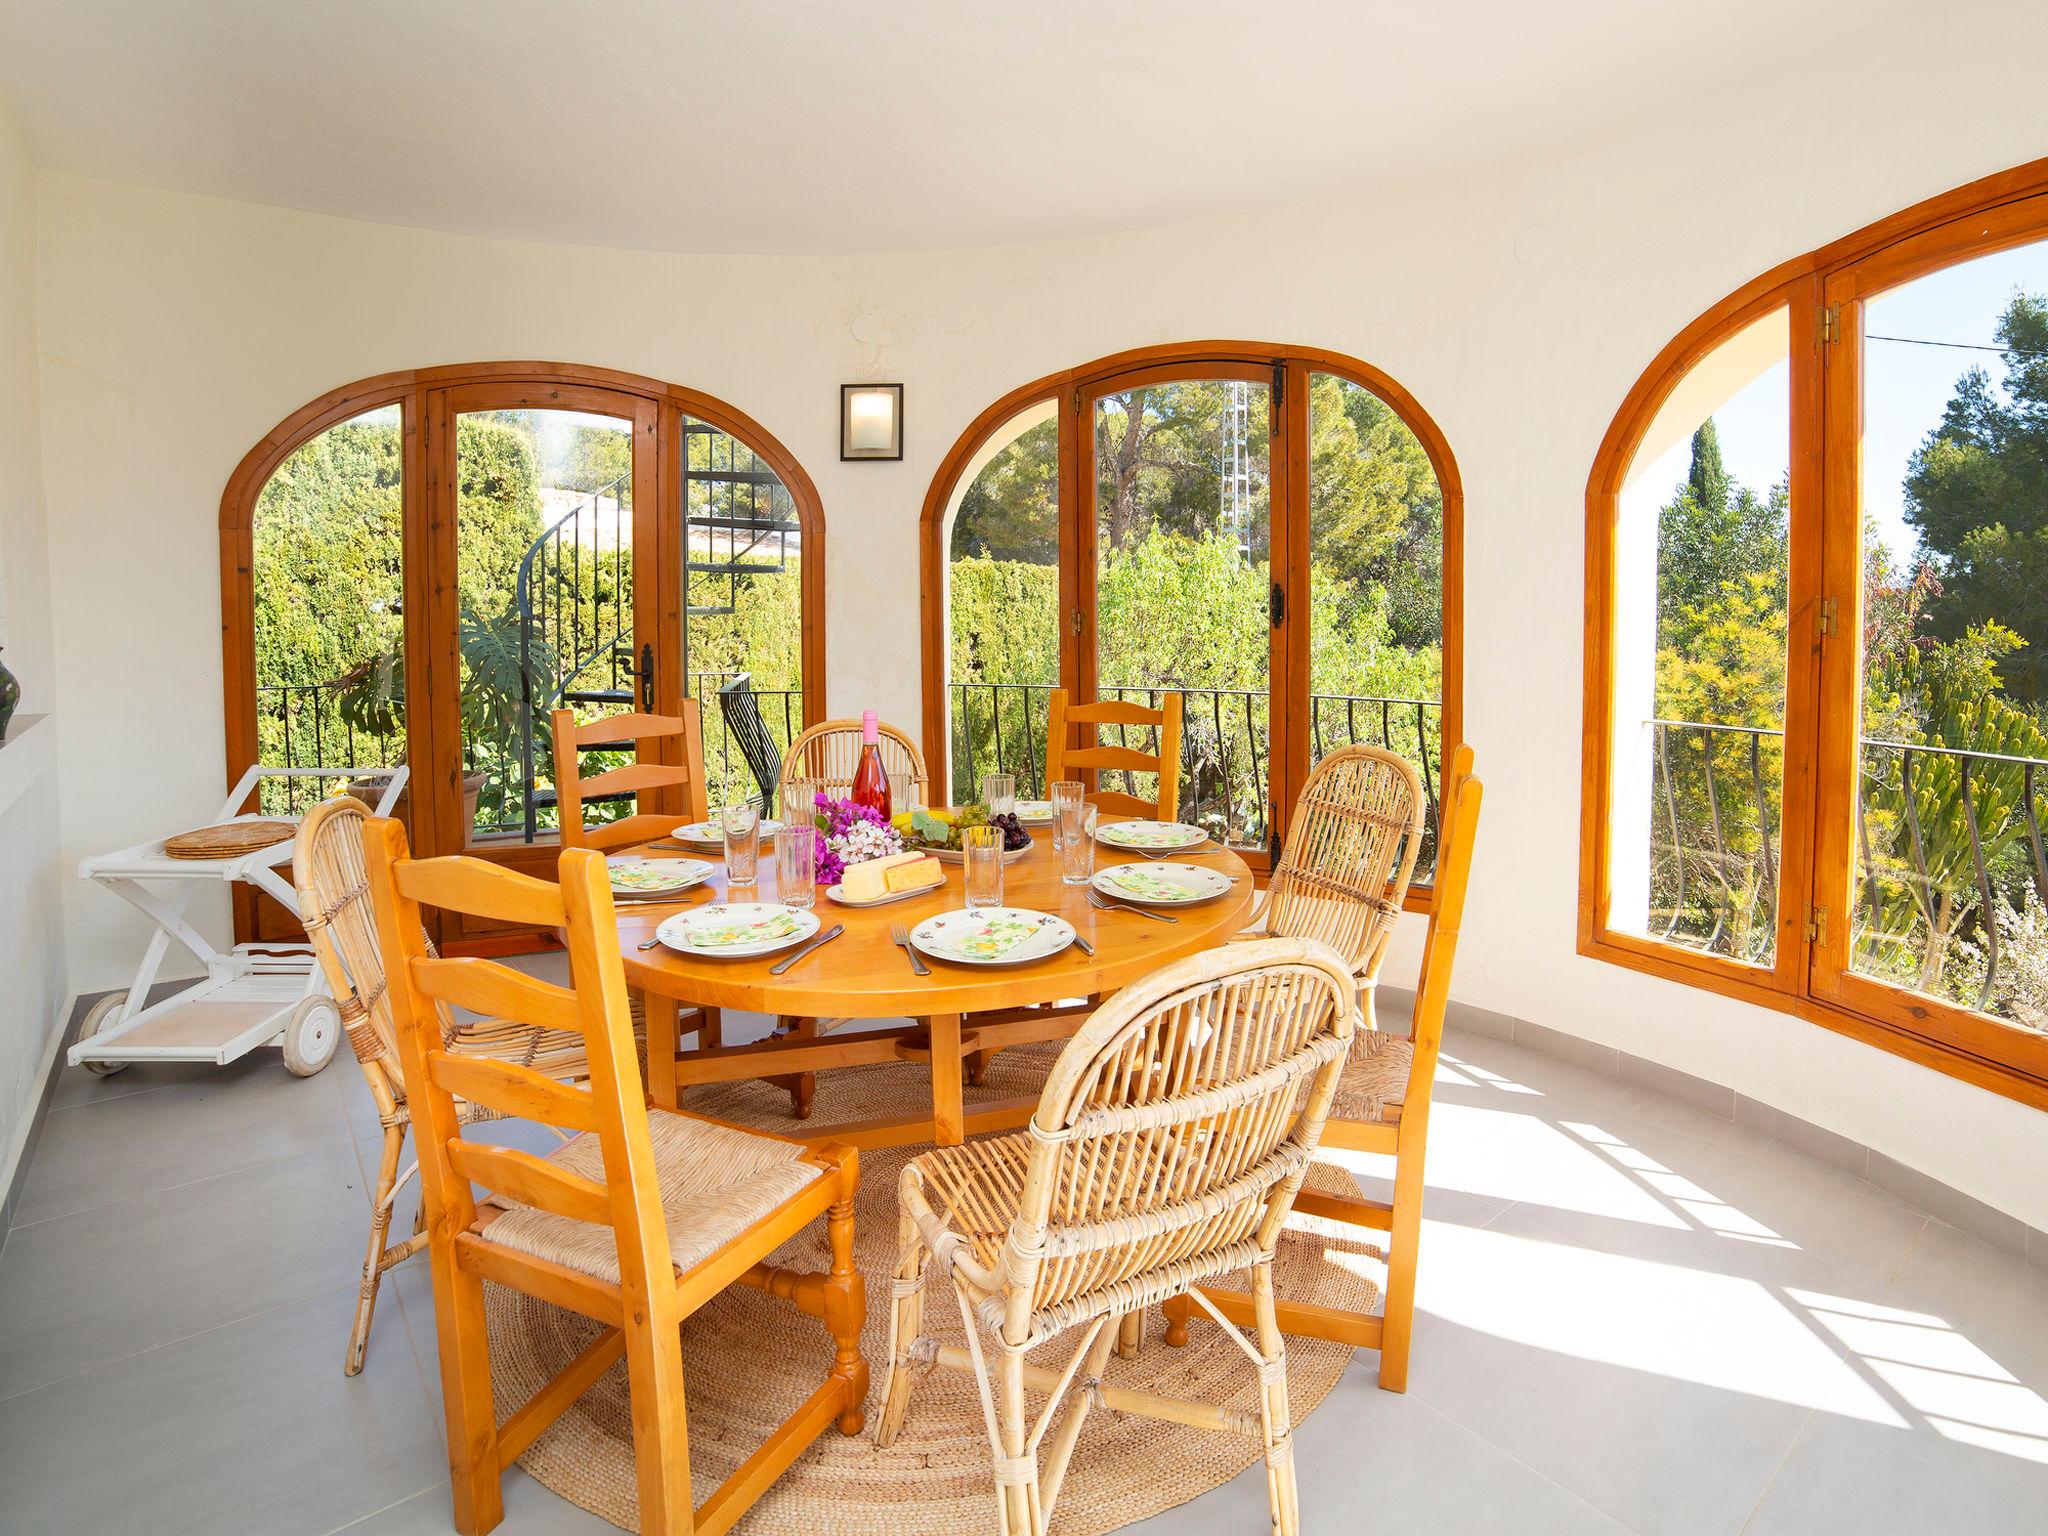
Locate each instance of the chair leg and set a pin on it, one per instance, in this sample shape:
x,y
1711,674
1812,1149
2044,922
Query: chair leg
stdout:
x,y
1130,1334
661,1430
466,1394
1017,1503
373,1259
1282,1497
710,1028
906,1326
1080,1400
846,1303
1403,1239
1178,1310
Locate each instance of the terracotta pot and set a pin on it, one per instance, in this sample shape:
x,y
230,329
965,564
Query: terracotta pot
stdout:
x,y
368,790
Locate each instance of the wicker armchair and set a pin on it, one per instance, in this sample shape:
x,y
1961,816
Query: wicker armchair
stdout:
x,y
1167,1149
329,870
828,752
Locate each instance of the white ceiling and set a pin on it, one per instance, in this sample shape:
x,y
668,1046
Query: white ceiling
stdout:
x,y
810,125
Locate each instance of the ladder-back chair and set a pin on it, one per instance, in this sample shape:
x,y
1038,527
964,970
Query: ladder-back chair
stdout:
x,y
1382,1105
740,707
329,870
573,791
827,753
1166,1150
1064,760
639,1220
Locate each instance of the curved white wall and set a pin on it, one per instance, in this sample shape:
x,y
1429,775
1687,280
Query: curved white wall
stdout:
x,y
1518,305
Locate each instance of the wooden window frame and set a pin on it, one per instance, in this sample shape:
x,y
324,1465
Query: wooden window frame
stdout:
x,y
429,399
1073,392
1807,979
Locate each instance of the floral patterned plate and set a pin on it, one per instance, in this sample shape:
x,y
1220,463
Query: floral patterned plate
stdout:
x,y
709,836
1149,836
737,930
1034,813
992,936
1161,885
637,879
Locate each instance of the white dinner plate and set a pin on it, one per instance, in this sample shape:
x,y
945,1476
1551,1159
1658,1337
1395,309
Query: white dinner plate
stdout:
x,y
1165,884
638,879
1034,813
709,834
992,936
1149,836
774,927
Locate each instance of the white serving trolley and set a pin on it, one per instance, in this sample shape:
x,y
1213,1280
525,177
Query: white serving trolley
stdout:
x,y
251,995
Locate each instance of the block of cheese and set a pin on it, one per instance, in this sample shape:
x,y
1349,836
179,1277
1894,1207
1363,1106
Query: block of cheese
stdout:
x,y
869,879
919,875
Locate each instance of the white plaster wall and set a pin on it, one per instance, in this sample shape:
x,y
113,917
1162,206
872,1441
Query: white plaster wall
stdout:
x,y
32,991
1518,305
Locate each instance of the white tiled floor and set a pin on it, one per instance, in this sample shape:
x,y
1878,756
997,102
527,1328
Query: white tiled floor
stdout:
x,y
1636,1317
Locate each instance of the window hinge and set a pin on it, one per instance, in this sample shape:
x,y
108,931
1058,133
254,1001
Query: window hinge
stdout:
x,y
1077,621
1829,611
1816,925
1276,606
1830,324
1077,399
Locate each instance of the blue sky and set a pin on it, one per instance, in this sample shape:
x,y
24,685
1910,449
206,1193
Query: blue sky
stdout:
x,y
1905,386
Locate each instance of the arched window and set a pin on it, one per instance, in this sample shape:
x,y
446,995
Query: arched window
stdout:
x,y
421,567
1817,564
1270,532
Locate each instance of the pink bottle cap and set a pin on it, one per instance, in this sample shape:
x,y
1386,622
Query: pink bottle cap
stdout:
x,y
867,726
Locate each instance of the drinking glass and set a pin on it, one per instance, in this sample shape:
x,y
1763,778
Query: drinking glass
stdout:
x,y
800,801
982,849
1070,832
902,794
999,793
741,823
796,866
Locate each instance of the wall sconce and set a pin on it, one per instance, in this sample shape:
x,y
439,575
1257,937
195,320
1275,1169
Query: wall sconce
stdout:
x,y
870,421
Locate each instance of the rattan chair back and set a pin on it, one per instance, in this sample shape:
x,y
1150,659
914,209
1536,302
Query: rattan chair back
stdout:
x,y
1350,855
826,754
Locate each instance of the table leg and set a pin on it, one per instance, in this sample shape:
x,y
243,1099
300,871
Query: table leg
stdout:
x,y
661,1049
949,1112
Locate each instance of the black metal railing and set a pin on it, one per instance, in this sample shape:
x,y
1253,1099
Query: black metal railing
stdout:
x,y
1945,836
1226,739
301,725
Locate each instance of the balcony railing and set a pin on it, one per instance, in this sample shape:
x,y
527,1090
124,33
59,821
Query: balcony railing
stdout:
x,y
1945,837
1000,727
301,725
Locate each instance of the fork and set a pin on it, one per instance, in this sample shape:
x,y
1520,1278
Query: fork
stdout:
x,y
1097,899
899,935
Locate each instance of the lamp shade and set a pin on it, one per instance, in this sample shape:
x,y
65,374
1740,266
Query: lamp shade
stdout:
x,y
871,421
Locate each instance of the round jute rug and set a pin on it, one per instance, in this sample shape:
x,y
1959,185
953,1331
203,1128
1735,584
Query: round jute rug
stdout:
x,y
749,1361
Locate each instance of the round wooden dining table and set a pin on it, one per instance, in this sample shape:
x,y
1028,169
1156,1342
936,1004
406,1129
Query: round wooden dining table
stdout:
x,y
958,1013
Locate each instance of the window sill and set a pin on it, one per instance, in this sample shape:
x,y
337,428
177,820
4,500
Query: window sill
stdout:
x,y
29,750
1937,1055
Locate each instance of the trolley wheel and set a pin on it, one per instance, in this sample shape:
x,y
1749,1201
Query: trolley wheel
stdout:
x,y
97,1018
310,1036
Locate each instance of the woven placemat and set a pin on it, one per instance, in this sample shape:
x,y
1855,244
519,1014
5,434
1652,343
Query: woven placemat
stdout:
x,y
229,840
749,1360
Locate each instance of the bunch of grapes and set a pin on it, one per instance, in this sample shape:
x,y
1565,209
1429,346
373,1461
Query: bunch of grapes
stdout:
x,y
1014,835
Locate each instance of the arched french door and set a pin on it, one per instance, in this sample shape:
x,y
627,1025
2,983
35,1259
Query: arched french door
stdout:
x,y
422,567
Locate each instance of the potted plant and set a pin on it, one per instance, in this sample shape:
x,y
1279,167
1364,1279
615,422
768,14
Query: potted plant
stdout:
x,y
500,676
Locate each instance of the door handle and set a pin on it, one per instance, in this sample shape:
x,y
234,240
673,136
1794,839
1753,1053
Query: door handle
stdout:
x,y
647,679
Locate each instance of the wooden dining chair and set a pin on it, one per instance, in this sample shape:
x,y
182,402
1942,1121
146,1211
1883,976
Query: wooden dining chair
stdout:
x,y
1064,760
827,753
331,874
573,791
1166,1150
1382,1105
636,1222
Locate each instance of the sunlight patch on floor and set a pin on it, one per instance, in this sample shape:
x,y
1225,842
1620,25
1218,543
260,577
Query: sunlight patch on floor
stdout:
x,y
1669,1320
1940,1374
1701,1205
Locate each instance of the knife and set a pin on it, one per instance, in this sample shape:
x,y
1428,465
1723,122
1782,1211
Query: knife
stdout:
x,y
818,943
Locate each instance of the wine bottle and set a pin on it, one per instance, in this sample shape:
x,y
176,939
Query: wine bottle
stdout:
x,y
870,782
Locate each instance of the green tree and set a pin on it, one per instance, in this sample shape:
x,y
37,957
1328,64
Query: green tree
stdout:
x,y
1011,511
1977,492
